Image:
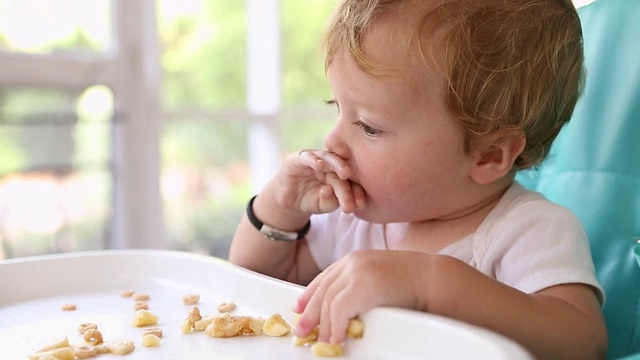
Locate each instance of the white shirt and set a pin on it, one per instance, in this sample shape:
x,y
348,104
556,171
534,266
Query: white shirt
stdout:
x,y
526,242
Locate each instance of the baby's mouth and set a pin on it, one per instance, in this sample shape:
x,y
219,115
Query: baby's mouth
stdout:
x,y
357,187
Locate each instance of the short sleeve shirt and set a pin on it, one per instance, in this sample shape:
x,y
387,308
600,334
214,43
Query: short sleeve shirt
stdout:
x,y
526,242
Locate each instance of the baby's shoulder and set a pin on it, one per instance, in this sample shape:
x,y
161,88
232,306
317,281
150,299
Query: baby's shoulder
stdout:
x,y
520,201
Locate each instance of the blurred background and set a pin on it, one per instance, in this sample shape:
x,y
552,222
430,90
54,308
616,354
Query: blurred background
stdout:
x,y
150,123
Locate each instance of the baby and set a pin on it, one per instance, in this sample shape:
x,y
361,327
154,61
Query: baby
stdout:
x,y
413,202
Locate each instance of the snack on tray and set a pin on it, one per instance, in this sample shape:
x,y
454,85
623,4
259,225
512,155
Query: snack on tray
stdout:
x,y
194,315
85,351
202,324
153,330
141,305
144,318
93,337
355,329
323,349
222,326
68,307
191,299
226,307
276,326
305,340
82,328
120,347
64,353
150,340
57,344
62,349
127,293
225,326
141,297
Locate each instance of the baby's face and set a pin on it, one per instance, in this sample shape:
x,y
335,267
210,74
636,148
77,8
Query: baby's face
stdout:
x,y
404,148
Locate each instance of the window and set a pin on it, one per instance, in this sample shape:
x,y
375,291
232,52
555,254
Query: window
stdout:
x,y
153,135
213,106
55,183
78,126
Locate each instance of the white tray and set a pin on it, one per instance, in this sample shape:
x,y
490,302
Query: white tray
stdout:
x,y
32,291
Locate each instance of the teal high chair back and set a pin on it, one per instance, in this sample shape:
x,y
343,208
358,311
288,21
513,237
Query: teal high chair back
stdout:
x,y
594,164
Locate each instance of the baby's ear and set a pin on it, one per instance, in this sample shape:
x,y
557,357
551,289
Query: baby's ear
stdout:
x,y
497,161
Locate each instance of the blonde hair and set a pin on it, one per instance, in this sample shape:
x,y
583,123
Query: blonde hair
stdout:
x,y
509,65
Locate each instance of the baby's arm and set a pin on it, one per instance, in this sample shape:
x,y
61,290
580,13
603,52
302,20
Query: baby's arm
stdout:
x,y
563,321
309,182
287,260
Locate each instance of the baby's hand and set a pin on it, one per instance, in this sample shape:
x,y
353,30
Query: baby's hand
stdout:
x,y
317,181
354,285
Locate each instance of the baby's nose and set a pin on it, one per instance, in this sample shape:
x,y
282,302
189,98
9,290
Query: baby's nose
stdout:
x,y
334,142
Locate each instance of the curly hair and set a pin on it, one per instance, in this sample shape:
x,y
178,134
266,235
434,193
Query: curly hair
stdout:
x,y
509,65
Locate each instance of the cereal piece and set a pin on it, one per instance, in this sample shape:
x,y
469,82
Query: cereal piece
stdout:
x,y
144,318
255,326
150,340
154,331
93,337
276,326
85,351
64,353
120,347
305,340
42,356
82,328
194,315
191,299
141,305
323,349
202,324
127,293
226,307
185,327
229,326
68,307
56,344
46,356
141,297
355,329
102,348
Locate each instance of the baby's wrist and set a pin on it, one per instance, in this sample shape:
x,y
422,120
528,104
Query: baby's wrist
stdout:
x,y
270,219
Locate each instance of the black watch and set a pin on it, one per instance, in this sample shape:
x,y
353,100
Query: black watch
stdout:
x,y
273,233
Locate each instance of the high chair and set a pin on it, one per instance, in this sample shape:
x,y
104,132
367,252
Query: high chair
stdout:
x,y
594,164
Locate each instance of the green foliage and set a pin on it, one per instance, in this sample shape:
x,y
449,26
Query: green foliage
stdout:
x,y
78,41
204,57
303,76
199,142
19,106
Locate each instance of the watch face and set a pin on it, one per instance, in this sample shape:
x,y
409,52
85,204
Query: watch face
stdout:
x,y
275,234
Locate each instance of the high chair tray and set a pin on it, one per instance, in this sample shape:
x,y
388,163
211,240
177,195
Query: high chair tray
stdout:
x,y
33,290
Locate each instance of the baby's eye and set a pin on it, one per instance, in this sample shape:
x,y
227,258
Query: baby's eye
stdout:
x,y
333,102
367,130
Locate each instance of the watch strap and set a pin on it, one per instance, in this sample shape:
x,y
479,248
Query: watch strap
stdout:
x,y
274,233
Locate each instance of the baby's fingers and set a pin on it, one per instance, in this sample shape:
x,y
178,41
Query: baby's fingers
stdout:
x,y
343,191
308,310
359,195
325,161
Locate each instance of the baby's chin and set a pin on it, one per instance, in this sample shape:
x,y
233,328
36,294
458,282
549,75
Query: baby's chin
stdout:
x,y
371,214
